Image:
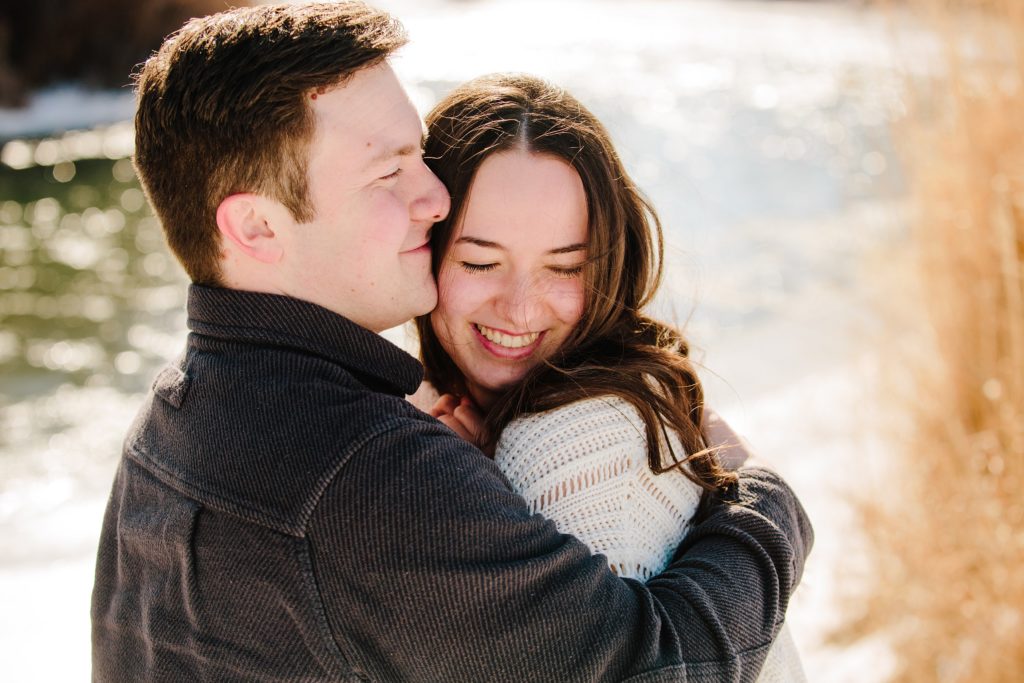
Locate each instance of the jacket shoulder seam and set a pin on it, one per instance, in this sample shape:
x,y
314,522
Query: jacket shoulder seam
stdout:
x,y
245,510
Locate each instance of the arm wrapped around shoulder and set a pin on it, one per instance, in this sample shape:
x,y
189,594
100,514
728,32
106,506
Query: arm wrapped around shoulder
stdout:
x,y
759,517
766,492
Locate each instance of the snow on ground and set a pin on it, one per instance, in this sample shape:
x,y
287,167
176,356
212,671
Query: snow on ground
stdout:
x,y
66,107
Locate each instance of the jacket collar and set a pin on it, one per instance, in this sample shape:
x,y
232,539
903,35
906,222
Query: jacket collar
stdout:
x,y
277,320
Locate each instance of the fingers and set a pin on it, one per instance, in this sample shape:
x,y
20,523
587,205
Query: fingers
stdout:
x,y
467,414
718,431
733,457
445,405
733,450
453,424
459,415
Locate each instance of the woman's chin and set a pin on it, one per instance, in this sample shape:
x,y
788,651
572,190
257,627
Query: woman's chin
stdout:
x,y
486,391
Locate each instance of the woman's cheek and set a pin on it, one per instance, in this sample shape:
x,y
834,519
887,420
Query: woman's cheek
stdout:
x,y
569,301
459,293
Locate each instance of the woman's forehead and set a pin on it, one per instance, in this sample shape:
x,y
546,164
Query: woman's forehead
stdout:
x,y
521,199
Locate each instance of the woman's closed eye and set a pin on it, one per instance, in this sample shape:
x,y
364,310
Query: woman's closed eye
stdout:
x,y
567,271
391,176
477,267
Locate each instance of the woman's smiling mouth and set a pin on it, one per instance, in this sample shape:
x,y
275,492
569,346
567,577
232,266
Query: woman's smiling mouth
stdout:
x,y
506,344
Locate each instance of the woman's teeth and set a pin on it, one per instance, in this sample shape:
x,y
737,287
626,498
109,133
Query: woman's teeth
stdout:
x,y
509,341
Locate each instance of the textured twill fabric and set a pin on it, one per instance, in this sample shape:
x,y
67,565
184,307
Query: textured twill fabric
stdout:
x,y
585,466
281,513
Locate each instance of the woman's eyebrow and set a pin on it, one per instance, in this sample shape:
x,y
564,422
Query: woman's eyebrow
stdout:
x,y
580,246
479,242
568,249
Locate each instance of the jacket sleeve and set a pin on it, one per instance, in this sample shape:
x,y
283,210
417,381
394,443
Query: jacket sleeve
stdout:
x,y
431,568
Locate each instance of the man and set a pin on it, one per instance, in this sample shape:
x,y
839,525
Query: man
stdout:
x,y
281,513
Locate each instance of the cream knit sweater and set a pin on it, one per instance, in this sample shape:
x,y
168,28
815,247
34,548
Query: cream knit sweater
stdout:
x,y
584,466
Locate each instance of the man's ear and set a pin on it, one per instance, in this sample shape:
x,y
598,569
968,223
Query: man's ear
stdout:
x,y
242,219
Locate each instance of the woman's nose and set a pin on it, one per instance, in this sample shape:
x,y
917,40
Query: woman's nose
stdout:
x,y
520,303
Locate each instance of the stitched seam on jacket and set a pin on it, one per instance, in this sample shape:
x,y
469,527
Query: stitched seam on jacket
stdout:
x,y
319,610
257,516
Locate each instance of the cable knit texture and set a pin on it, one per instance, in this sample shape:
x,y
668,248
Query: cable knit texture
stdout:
x,y
585,467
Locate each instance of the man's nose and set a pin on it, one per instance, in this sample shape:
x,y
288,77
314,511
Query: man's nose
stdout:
x,y
434,202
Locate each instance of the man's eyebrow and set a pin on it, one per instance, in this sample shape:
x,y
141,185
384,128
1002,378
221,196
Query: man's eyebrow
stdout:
x,y
391,153
568,249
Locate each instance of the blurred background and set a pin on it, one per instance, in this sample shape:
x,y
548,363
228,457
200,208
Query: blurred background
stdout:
x,y
842,186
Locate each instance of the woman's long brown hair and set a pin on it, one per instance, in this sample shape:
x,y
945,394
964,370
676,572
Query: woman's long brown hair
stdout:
x,y
615,349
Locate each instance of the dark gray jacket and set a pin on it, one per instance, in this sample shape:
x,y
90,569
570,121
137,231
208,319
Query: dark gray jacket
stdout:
x,y
281,514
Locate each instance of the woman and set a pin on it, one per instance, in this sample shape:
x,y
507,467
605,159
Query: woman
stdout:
x,y
539,345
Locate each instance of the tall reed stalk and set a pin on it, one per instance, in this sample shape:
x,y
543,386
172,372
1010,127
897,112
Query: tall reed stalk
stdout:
x,y
946,539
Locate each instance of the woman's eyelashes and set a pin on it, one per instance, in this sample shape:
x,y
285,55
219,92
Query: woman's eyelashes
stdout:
x,y
477,267
558,271
567,271
391,176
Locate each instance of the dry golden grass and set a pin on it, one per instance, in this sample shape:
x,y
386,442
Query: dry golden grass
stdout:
x,y
946,542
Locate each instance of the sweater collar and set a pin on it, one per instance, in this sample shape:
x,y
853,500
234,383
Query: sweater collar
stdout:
x,y
237,315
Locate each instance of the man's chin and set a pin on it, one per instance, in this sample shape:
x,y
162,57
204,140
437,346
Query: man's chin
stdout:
x,y
428,300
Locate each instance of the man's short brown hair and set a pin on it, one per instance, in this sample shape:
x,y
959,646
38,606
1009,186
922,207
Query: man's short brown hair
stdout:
x,y
223,108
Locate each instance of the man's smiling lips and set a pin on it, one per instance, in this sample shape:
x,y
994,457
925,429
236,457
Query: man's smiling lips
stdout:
x,y
507,345
420,248
423,248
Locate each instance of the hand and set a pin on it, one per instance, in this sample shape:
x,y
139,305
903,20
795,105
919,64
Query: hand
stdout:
x,y
733,449
424,397
461,416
